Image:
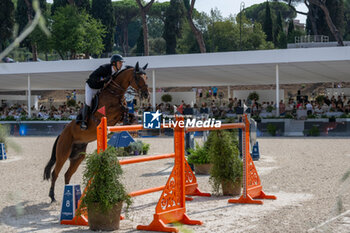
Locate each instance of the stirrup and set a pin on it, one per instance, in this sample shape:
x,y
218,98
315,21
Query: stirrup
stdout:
x,y
83,126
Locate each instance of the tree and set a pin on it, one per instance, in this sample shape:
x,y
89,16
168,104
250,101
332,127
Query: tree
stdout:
x,y
280,38
25,15
173,25
125,11
268,26
197,33
223,35
347,19
291,30
256,12
314,14
57,4
140,44
156,19
103,11
74,32
80,4
144,10
6,21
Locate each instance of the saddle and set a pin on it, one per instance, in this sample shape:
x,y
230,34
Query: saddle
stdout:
x,y
93,109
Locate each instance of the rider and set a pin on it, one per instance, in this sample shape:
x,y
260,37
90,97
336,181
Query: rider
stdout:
x,y
96,81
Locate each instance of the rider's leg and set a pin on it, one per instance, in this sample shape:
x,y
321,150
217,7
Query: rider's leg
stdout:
x,y
89,94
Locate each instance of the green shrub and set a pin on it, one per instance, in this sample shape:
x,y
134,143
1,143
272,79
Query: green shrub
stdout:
x,y
145,147
253,96
71,103
314,131
199,155
227,166
269,108
271,129
167,98
105,188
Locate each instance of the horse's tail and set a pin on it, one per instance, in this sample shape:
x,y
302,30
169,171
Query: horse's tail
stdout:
x,y
47,171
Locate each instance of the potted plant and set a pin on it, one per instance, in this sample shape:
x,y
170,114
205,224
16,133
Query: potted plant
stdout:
x,y
199,157
133,148
145,148
227,168
167,98
105,194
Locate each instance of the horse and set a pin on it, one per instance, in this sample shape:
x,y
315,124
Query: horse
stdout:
x,y
72,142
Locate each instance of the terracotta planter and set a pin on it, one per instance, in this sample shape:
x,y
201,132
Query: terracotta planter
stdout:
x,y
104,221
202,169
231,189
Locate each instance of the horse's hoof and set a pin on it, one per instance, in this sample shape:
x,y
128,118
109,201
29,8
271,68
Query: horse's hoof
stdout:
x,y
53,200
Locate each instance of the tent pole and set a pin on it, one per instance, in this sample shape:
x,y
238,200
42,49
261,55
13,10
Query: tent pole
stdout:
x,y
277,91
154,90
29,96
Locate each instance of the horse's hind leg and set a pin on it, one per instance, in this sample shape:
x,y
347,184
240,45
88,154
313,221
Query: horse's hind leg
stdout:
x,y
64,148
76,157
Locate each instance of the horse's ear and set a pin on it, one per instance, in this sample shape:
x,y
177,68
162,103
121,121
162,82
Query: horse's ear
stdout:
x,y
145,67
137,67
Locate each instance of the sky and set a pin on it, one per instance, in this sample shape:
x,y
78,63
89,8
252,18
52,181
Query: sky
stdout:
x,y
227,7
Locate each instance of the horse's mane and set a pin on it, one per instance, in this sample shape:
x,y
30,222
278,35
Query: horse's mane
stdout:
x,y
118,73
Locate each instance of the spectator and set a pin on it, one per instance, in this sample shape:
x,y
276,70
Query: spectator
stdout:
x,y
215,91
188,110
309,109
282,108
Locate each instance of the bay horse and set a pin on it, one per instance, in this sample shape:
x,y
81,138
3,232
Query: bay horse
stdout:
x,y
72,142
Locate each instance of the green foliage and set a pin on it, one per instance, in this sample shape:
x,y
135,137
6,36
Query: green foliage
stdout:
x,y
136,146
71,103
140,47
121,152
7,20
347,20
336,12
227,166
253,96
167,98
125,12
256,12
4,138
74,32
267,25
269,108
320,99
173,25
187,43
271,129
314,131
199,155
4,133
145,147
157,46
103,10
105,173
223,35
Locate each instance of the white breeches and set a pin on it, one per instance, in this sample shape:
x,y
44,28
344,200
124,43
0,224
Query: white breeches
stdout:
x,y
89,94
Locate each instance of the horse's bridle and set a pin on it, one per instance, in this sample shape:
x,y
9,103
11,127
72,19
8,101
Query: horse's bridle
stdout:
x,y
113,83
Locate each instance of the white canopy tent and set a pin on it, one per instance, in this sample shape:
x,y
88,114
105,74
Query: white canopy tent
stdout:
x,y
288,66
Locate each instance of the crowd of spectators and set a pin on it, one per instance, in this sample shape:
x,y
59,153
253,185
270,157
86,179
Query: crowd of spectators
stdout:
x,y
299,108
17,111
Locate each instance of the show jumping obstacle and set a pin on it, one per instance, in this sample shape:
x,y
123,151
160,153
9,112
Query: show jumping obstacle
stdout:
x,y
171,205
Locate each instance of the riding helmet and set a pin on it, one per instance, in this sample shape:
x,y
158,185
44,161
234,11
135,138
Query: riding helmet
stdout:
x,y
116,57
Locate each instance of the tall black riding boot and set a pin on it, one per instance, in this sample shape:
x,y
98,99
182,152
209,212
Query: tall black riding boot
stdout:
x,y
84,120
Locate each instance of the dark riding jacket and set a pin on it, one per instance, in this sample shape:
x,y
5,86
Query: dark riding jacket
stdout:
x,y
100,76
